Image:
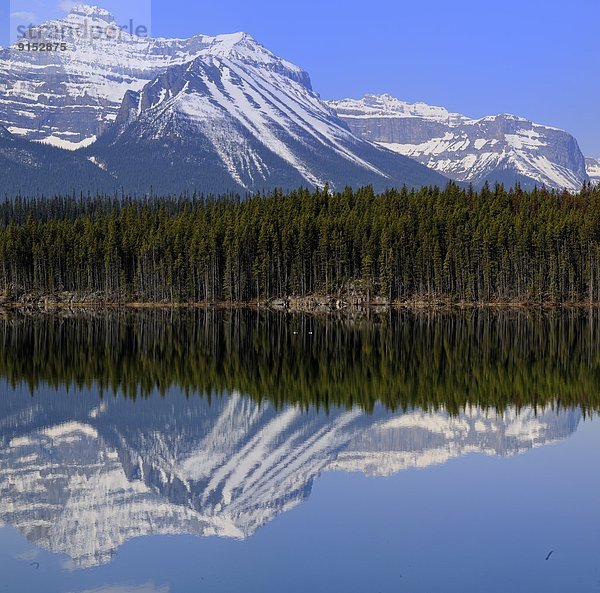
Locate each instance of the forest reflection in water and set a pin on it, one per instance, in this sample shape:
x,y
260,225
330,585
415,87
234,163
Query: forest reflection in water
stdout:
x,y
400,359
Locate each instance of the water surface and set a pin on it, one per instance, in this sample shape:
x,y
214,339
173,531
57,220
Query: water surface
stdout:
x,y
236,451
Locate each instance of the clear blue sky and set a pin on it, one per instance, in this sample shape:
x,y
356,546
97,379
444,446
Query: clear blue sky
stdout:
x,y
536,58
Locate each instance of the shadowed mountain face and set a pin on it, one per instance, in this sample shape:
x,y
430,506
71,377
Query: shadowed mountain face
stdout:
x,y
32,168
80,475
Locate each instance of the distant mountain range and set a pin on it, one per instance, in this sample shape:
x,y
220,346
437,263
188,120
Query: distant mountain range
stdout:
x,y
502,148
82,475
223,113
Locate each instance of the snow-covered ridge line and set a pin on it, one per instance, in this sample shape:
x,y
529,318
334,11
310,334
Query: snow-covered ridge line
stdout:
x,y
386,106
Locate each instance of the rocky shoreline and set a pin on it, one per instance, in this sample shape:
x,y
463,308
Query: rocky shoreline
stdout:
x,y
307,304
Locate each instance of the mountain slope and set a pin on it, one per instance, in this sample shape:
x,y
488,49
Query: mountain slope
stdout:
x,y
501,148
31,168
228,122
214,114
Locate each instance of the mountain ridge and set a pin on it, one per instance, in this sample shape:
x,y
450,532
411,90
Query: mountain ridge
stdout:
x,y
503,147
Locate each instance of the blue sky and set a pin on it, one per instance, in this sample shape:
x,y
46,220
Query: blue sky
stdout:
x,y
538,59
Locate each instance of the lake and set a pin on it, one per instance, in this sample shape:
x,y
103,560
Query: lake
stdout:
x,y
175,451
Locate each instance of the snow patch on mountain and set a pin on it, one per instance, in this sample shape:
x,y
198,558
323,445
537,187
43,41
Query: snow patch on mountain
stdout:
x,y
68,144
593,169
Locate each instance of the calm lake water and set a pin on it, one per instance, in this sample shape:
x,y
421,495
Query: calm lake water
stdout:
x,y
147,452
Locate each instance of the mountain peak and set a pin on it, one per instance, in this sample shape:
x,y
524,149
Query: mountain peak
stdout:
x,y
238,45
235,38
92,12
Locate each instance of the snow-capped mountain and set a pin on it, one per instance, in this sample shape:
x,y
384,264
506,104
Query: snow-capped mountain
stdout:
x,y
68,98
593,169
227,122
209,113
500,148
81,476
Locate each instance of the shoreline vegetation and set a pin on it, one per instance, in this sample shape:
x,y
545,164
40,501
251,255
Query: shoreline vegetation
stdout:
x,y
306,250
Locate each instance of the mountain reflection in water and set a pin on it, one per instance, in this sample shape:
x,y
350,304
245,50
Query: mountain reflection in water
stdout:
x,y
81,476
119,425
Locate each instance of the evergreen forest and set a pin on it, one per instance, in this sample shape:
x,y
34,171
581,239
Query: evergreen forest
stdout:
x,y
457,244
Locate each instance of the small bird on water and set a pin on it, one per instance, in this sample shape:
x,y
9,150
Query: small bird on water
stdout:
x,y
549,554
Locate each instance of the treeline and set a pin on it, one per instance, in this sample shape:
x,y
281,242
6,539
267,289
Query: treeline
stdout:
x,y
400,360
452,243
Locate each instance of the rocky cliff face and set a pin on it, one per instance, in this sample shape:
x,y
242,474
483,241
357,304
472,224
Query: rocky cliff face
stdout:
x,y
501,148
80,476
